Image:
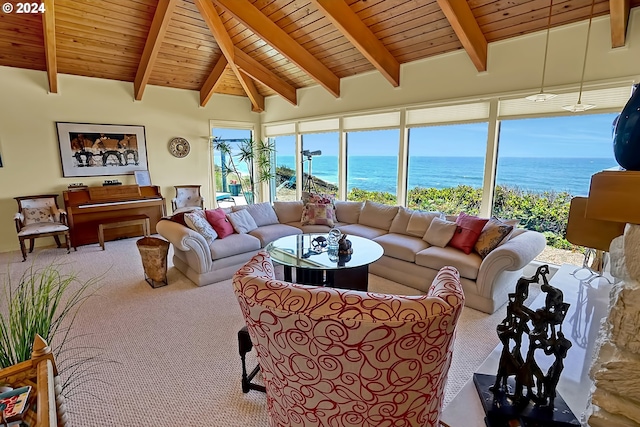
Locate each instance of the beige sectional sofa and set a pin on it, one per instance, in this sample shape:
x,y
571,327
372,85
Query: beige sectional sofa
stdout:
x,y
407,259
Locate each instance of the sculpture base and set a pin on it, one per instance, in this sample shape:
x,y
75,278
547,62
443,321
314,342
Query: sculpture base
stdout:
x,y
500,408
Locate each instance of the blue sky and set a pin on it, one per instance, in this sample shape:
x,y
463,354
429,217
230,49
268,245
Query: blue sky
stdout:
x,y
586,135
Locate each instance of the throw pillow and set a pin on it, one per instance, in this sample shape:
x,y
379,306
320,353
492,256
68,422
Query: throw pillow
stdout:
x,y
242,221
420,221
179,218
318,214
320,199
440,232
468,229
36,215
197,221
399,223
218,220
492,235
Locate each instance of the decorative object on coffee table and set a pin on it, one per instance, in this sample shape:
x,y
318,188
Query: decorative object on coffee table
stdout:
x,y
626,135
520,390
344,246
154,260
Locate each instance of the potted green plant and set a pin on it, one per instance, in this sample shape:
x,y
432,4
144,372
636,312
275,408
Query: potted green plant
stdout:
x,y
256,155
44,302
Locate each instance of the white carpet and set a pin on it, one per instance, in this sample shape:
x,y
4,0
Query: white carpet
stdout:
x,y
172,352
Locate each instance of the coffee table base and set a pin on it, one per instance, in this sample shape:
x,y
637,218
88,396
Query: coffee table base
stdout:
x,y
356,278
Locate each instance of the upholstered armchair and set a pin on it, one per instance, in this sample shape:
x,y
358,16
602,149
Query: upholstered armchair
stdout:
x,y
187,198
40,216
334,357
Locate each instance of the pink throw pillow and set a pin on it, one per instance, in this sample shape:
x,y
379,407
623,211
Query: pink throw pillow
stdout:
x,y
218,220
318,214
468,229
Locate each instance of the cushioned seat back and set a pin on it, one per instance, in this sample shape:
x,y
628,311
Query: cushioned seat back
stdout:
x,y
332,357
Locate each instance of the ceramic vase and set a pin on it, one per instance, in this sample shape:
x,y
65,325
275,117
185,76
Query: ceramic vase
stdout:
x,y
626,136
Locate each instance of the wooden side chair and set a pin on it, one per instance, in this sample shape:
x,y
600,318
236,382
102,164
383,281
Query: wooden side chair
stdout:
x,y
40,216
187,198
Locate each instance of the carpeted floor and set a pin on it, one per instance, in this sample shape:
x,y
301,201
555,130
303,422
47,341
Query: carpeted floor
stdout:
x,y
169,356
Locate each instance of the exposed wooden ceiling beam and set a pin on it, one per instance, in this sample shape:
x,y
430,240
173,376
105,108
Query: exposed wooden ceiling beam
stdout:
x,y
213,80
152,46
213,21
276,37
460,17
259,72
619,10
49,30
348,23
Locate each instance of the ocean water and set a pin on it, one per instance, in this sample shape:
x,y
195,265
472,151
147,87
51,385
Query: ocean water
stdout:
x,y
379,173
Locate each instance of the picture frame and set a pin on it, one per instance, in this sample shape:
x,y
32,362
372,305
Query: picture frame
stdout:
x,y
88,149
142,178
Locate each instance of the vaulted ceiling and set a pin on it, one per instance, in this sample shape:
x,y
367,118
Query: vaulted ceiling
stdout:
x,y
258,48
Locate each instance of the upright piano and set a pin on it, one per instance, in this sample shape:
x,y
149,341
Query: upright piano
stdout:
x,y
88,207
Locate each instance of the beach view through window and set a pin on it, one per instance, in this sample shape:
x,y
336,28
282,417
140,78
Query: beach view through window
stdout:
x,y
541,164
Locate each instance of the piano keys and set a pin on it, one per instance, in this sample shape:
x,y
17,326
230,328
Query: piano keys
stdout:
x,y
87,208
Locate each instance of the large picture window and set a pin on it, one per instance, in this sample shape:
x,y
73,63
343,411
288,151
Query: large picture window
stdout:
x,y
372,165
542,164
285,167
322,159
446,165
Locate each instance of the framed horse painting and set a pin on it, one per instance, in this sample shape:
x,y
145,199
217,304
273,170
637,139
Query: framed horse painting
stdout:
x,y
88,149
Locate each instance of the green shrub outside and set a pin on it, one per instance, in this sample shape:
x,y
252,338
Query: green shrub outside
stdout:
x,y
546,212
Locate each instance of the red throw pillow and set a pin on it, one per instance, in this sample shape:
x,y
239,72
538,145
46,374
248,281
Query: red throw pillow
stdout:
x,y
218,220
468,229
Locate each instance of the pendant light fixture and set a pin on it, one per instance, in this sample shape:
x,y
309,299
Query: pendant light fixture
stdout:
x,y
579,107
542,96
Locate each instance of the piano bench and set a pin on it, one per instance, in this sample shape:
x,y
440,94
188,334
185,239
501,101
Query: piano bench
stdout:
x,y
142,220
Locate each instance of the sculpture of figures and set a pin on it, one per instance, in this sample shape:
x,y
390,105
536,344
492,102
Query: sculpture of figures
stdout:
x,y
544,329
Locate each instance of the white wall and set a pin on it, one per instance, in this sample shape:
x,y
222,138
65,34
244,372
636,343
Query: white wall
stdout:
x,y
29,143
513,65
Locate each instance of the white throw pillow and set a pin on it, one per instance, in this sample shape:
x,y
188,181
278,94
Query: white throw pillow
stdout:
x,y
263,214
440,232
242,221
197,221
420,221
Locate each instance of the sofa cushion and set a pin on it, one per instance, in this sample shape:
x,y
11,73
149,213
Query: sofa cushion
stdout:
x,y
420,221
288,211
233,245
467,232
400,221
435,258
318,214
348,212
262,213
242,221
401,246
377,215
269,233
440,231
362,231
219,221
197,221
492,235
310,228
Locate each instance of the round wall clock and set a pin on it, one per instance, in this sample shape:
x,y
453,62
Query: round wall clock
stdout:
x,y
179,147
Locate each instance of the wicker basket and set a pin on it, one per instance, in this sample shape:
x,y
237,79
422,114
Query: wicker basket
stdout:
x,y
154,260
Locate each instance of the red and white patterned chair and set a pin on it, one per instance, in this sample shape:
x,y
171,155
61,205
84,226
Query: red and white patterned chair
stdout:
x,y
334,357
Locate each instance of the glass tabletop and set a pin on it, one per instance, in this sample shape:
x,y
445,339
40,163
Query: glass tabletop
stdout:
x,y
299,251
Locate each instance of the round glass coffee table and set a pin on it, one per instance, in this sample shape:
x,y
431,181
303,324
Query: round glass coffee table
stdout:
x,y
317,265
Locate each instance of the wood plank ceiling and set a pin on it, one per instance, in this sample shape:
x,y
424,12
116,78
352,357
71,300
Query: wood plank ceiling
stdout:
x,y
259,48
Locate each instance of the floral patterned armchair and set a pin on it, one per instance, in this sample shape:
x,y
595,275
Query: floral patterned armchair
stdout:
x,y
333,357
187,198
39,216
